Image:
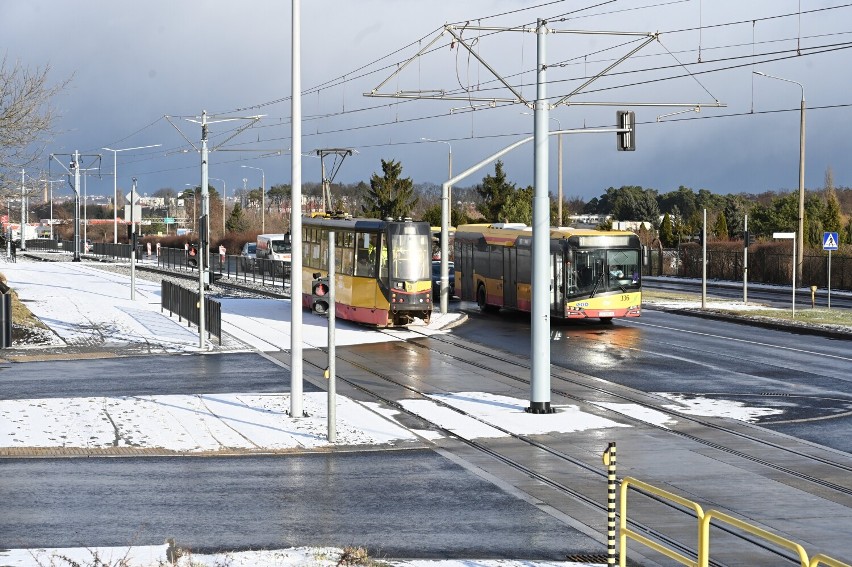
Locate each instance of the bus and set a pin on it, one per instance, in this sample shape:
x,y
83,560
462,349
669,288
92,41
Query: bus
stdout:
x,y
593,274
383,268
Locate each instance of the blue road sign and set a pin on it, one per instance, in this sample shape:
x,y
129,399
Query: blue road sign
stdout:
x,y
829,241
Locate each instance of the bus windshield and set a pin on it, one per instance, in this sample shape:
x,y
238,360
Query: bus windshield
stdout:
x,y
411,257
597,271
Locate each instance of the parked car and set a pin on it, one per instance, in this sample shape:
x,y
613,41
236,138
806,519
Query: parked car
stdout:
x,y
248,255
436,278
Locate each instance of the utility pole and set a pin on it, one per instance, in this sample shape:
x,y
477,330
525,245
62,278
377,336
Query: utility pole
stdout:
x,y
23,211
204,218
296,362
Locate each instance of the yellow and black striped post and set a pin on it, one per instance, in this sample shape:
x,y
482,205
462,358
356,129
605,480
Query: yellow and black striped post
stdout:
x,y
611,487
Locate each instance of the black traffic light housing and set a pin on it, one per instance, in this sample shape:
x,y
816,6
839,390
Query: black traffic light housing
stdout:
x,y
192,256
319,295
625,141
747,238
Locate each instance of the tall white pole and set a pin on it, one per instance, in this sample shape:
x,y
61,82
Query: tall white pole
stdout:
x,y
332,353
263,201
115,197
23,210
296,216
133,240
202,252
540,352
745,262
704,262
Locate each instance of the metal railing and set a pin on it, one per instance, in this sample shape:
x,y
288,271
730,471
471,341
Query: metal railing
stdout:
x,y
704,519
185,303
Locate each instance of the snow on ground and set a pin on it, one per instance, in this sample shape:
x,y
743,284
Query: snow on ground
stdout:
x,y
84,305
155,556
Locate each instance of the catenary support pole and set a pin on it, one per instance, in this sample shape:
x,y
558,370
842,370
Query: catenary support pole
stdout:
x,y
745,262
704,262
332,354
296,215
202,261
540,370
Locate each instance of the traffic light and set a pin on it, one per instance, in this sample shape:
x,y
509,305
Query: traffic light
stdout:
x,y
192,256
319,295
625,141
746,239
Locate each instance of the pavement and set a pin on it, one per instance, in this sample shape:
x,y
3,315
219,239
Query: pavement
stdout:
x,y
90,310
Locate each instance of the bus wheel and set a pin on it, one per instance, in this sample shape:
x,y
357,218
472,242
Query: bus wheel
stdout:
x,y
480,299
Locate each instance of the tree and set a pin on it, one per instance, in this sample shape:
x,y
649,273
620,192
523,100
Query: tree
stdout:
x,y
278,195
26,117
390,195
518,206
832,220
667,236
237,222
495,192
720,228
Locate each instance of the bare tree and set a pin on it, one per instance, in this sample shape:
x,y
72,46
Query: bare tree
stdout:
x,y
26,116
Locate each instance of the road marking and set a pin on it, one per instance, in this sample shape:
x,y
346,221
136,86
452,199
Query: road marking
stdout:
x,y
791,349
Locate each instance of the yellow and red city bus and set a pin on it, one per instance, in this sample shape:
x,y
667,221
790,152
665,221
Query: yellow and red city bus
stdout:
x,y
593,274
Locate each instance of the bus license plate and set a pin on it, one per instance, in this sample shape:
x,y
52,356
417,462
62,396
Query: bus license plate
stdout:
x,y
606,314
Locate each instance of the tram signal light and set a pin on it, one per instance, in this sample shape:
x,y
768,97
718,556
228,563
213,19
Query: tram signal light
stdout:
x,y
747,239
319,295
192,258
626,141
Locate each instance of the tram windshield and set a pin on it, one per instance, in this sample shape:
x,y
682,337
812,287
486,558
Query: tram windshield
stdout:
x,y
410,256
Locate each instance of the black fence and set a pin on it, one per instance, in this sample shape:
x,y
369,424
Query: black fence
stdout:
x,y
764,266
267,273
185,303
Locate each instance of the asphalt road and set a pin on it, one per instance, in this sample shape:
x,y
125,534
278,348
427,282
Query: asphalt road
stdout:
x,y
395,503
804,375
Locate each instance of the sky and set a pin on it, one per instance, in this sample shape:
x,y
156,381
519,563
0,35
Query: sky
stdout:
x,y
131,64
85,305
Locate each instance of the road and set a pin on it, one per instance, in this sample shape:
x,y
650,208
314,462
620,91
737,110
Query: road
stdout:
x,y
806,377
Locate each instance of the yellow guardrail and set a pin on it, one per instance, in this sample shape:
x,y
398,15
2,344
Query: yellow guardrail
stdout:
x,y
625,532
704,537
704,519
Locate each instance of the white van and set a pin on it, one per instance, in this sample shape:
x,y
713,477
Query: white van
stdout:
x,y
273,247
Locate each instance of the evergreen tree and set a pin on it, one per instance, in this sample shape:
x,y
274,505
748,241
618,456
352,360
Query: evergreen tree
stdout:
x,y
390,195
495,192
720,229
518,207
237,222
832,220
667,236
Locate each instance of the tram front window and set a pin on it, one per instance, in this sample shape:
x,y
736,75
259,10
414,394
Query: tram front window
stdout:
x,y
410,257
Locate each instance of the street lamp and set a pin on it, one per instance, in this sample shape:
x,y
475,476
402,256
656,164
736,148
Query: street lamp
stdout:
x,y
801,231
224,194
559,161
115,185
262,196
449,174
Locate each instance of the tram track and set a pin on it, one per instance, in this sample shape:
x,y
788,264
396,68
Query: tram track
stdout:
x,y
586,383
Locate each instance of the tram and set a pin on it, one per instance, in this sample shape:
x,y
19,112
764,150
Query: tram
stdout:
x,y
383,271
593,274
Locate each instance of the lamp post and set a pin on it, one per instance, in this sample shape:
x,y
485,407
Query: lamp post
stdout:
x,y
115,185
262,196
224,193
51,182
801,224
449,173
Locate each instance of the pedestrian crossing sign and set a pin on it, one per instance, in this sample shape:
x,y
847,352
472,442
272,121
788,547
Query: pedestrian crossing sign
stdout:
x,y
829,241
